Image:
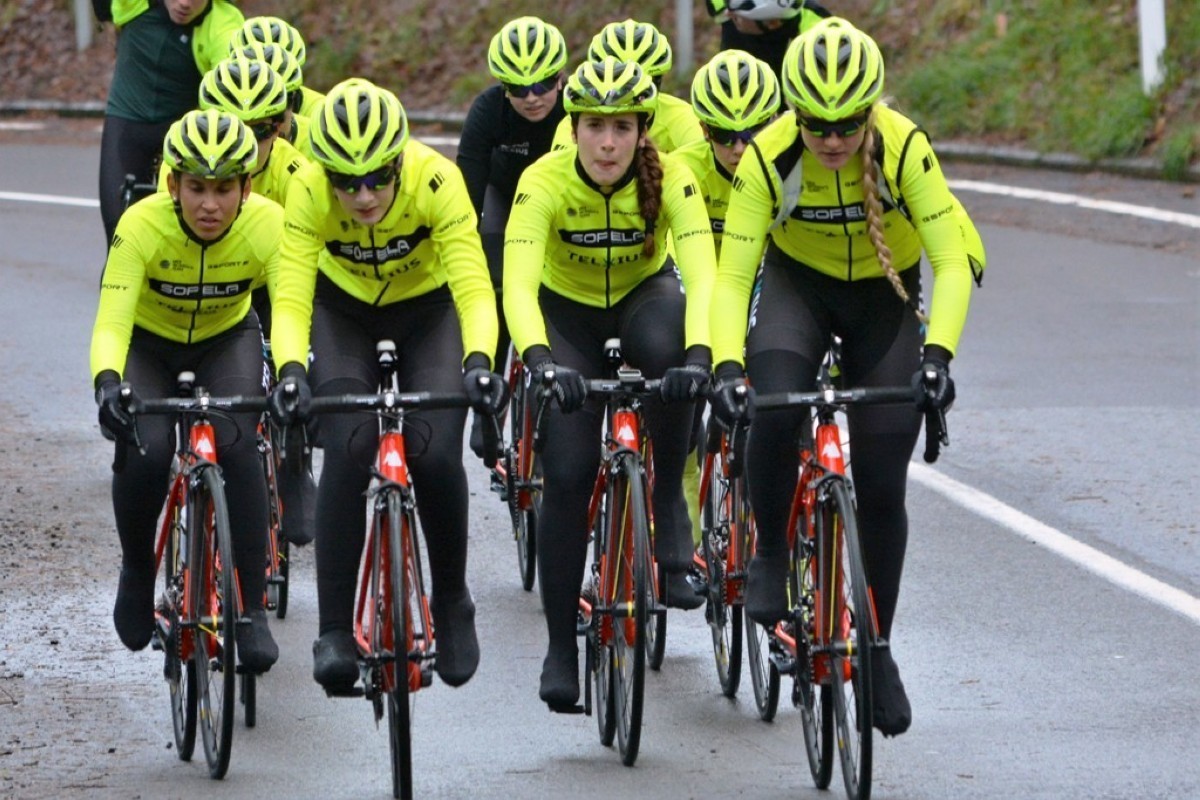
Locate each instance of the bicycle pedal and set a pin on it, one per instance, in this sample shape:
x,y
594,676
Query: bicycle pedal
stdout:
x,y
784,664
500,487
344,691
564,708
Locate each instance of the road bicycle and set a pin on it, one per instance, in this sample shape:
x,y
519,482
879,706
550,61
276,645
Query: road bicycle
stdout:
x,y
727,543
393,626
619,604
826,641
200,606
517,476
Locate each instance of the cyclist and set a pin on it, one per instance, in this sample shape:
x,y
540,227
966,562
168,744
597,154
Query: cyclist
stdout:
x,y
734,96
839,262
273,30
764,28
509,127
674,123
254,93
585,260
380,242
163,49
294,128
176,296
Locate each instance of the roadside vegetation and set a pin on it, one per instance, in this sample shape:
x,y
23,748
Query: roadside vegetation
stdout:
x,y
1048,75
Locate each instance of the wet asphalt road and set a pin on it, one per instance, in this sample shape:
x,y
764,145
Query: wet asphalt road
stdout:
x,y
1029,675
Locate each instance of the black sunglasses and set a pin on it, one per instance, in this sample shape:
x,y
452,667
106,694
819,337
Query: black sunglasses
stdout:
x,y
728,138
844,128
266,128
540,88
295,100
372,181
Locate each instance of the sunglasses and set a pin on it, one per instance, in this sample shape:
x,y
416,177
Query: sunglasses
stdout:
x,y
728,138
295,100
540,88
844,128
372,181
266,128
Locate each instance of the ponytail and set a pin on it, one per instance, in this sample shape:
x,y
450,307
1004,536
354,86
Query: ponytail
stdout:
x,y
874,209
649,191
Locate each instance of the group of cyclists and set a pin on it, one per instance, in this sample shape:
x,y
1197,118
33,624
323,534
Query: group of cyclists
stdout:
x,y
725,241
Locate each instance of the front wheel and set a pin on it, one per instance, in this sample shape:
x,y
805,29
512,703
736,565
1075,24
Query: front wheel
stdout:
x,y
851,636
214,613
399,711
811,689
630,552
722,610
179,673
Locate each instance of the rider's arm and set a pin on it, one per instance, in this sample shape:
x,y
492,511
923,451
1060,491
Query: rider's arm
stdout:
x,y
456,240
529,224
478,140
931,205
683,203
120,288
300,247
751,210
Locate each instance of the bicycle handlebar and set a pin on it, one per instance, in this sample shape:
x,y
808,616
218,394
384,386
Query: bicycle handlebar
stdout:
x,y
389,401
936,432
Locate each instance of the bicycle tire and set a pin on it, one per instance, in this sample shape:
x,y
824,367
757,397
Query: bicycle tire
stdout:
x,y
764,675
249,696
180,676
601,658
399,711
635,591
853,635
215,612
525,514
811,691
723,615
656,626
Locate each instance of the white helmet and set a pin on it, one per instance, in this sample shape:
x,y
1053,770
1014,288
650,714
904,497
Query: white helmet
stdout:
x,y
766,9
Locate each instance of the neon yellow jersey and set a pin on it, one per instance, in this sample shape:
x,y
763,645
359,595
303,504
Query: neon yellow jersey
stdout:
x,y
312,99
300,138
162,280
586,245
272,180
715,183
826,230
675,124
427,239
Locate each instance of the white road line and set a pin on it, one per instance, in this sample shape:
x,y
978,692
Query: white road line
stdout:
x,y
23,197
1059,198
21,126
1056,541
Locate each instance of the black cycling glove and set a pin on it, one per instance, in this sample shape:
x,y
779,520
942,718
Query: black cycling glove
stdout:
x,y
680,384
932,384
291,398
732,397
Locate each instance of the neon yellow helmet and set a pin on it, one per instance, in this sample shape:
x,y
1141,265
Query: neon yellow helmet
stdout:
x,y
277,59
270,30
210,144
735,91
358,128
245,87
832,71
610,86
525,51
633,41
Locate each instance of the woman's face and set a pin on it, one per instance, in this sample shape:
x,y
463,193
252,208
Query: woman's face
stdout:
x,y
538,100
208,206
368,197
182,12
607,143
834,143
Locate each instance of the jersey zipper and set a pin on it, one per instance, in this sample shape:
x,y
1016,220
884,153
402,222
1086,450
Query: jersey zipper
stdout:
x,y
200,293
846,229
378,274
608,252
